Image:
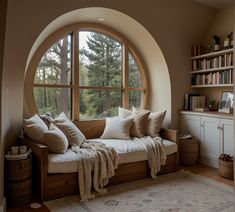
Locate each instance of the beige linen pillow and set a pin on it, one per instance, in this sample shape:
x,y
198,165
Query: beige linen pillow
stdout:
x,y
140,118
55,140
154,125
117,127
123,112
34,128
138,127
73,134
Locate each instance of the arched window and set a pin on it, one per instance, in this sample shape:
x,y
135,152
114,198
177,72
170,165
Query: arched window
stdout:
x,y
86,71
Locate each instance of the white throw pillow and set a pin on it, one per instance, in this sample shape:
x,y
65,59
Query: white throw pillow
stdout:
x,y
123,112
34,128
61,118
154,124
117,127
55,140
71,131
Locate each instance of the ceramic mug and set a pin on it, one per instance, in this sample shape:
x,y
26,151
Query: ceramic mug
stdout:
x,y
23,150
14,150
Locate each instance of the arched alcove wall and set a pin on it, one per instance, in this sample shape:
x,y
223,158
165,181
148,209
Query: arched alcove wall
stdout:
x,y
173,25
159,79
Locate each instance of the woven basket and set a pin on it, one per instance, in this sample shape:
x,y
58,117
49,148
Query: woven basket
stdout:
x,y
18,182
19,192
188,149
225,169
18,170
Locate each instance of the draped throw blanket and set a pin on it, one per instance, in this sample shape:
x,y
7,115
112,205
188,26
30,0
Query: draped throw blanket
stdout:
x,y
156,153
94,156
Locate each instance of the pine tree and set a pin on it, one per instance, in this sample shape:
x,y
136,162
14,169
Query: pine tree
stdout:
x,y
104,69
54,68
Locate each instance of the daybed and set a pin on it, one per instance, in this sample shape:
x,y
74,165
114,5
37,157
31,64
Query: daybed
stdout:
x,y
55,177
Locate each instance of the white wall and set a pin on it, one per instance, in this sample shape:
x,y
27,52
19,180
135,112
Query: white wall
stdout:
x,y
174,25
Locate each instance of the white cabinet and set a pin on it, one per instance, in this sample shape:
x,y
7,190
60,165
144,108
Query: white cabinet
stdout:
x,y
214,134
210,139
191,124
227,138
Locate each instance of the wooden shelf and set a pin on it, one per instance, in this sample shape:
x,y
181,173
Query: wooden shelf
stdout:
x,y
211,86
213,54
212,70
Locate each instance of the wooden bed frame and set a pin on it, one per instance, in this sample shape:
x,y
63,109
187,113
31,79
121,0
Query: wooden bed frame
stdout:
x,y
50,186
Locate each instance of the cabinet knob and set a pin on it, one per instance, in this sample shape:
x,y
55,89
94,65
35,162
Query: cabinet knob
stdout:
x,y
220,128
202,125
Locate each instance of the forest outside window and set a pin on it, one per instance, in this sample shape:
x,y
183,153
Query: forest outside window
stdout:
x,y
87,73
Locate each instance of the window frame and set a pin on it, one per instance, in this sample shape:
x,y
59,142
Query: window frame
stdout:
x,y
74,29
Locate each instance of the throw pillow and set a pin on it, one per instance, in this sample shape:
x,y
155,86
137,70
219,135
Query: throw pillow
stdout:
x,y
154,125
34,128
117,127
55,140
47,118
138,127
61,118
73,134
123,113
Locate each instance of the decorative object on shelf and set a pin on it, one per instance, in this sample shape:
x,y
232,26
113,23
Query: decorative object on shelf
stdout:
x,y
225,169
216,39
227,40
212,105
226,103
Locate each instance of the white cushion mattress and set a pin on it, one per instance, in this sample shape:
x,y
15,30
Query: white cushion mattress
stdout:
x,y
128,151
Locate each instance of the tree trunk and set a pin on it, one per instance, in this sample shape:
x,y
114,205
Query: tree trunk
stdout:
x,y
64,95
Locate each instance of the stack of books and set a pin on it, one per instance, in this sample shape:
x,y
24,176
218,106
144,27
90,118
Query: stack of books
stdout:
x,y
194,102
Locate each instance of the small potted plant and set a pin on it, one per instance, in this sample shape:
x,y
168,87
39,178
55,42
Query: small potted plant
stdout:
x,y
212,105
216,39
227,40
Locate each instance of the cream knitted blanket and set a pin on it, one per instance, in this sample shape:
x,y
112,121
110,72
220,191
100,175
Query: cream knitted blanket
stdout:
x,y
103,160
94,156
156,153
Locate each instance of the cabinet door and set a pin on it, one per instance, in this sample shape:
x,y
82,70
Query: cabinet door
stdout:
x,y
210,138
227,136
190,124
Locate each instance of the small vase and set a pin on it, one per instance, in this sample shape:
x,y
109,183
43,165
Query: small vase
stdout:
x,y
217,47
227,42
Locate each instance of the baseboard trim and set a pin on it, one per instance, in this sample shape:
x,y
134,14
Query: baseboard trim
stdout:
x,y
3,205
209,162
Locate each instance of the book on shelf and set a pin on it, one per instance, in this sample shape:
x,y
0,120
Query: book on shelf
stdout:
x,y
197,49
188,101
193,101
213,78
198,102
211,63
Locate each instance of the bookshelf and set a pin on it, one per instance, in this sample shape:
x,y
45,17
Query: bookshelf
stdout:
x,y
213,69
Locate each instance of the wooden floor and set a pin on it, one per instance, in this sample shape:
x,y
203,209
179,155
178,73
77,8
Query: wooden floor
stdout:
x,y
196,169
